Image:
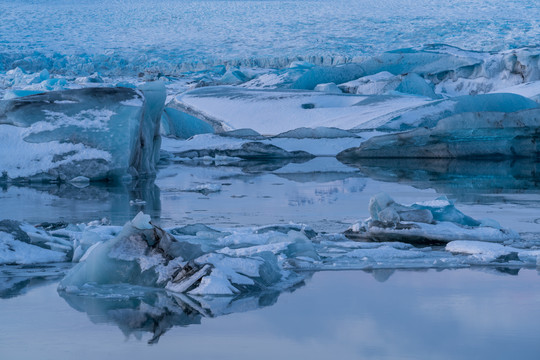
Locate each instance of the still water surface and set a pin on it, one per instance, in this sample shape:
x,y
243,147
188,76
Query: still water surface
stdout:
x,y
453,314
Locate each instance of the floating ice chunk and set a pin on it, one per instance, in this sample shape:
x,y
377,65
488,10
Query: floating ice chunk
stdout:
x,y
141,221
428,222
92,79
375,84
316,133
233,77
244,134
85,132
406,61
486,252
141,254
327,74
145,255
271,112
414,84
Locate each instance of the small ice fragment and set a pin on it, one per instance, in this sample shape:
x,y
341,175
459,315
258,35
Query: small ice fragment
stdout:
x,y
80,181
137,202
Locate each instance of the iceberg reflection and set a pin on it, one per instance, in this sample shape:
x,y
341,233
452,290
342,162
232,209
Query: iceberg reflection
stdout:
x,y
137,310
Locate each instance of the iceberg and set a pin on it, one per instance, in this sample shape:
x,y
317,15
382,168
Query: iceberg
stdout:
x,y
205,263
430,114
98,133
177,124
433,222
386,83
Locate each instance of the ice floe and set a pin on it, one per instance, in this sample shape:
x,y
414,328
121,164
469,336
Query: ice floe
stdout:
x,y
433,222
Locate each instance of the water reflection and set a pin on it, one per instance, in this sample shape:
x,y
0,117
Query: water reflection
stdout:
x,y
17,280
459,178
137,310
37,203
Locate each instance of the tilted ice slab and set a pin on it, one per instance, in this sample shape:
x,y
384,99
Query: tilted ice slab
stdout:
x,y
432,222
271,112
466,135
97,133
429,115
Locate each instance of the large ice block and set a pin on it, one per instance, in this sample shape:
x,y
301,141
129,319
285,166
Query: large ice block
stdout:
x,y
98,133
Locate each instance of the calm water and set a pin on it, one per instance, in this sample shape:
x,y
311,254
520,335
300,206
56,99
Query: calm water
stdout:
x,y
452,314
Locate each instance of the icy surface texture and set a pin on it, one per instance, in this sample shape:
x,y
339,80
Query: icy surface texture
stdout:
x,y
467,135
432,222
429,115
98,133
143,35
180,125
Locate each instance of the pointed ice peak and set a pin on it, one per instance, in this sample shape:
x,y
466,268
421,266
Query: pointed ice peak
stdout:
x,y
141,221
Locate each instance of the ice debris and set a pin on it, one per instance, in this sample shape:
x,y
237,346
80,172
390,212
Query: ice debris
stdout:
x,y
21,243
433,222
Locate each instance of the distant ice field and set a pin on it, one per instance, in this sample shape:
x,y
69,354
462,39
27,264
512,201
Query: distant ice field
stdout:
x,y
171,35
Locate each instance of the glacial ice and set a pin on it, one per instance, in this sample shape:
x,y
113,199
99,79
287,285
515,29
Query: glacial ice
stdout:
x,y
386,83
432,222
98,133
469,135
271,111
429,115
199,260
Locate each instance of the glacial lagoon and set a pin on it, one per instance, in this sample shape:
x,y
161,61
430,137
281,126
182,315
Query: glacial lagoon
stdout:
x,y
485,312
258,134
